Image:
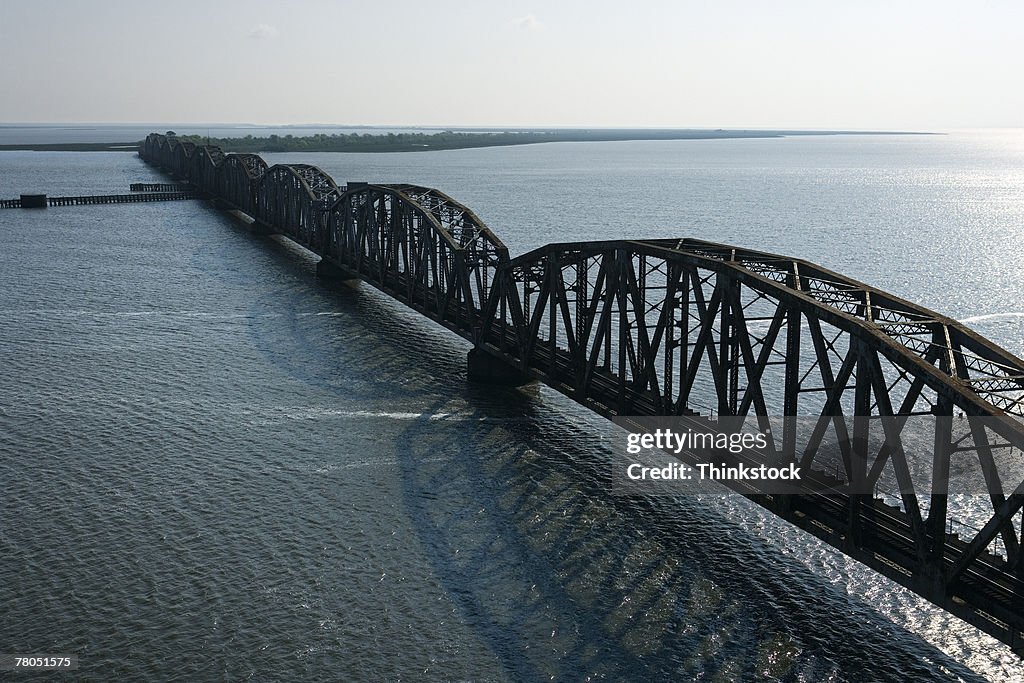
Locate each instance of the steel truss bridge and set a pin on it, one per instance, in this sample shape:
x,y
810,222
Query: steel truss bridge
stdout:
x,y
653,327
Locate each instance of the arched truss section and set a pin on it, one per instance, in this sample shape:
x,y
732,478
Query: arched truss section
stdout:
x,y
666,327
975,375
438,258
170,144
253,164
293,199
182,155
464,227
166,151
690,283
238,178
158,149
321,186
151,146
480,248
203,167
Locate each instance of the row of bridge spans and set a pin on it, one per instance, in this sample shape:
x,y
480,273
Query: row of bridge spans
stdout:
x,y
677,327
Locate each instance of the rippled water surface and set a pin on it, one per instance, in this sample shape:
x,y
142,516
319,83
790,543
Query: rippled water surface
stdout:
x,y
213,468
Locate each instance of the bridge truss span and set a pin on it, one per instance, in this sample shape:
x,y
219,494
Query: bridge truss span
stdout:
x,y
238,179
418,245
291,199
653,327
683,327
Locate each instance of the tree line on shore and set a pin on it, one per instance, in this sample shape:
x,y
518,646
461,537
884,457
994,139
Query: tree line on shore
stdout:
x,y
371,142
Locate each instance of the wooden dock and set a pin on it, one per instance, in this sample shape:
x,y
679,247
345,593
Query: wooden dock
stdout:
x,y
107,199
158,187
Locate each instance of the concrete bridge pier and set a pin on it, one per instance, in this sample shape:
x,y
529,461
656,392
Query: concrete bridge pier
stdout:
x,y
330,272
486,369
263,229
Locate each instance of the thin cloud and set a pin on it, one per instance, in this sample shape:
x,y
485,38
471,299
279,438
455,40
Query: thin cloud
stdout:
x,y
528,23
264,32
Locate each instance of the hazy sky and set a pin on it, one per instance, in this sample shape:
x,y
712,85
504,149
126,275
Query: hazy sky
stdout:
x,y
727,63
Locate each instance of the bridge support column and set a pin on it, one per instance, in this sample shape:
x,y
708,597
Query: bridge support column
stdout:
x,y
259,227
325,270
486,369
33,201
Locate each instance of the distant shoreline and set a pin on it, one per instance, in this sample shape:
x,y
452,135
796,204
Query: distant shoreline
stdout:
x,y
72,147
446,140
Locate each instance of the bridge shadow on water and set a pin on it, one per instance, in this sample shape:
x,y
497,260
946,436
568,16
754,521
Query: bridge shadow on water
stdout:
x,y
565,580
570,581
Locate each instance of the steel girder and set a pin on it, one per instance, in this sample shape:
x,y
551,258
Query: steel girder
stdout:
x,y
480,249
183,152
203,166
238,178
418,245
170,153
292,198
656,327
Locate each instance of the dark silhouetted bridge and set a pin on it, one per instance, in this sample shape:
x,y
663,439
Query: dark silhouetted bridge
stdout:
x,y
651,327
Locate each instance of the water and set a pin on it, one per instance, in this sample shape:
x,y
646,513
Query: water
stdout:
x,y
215,469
